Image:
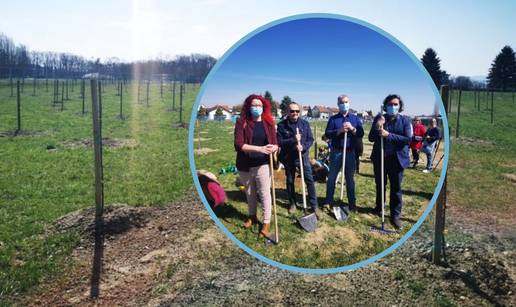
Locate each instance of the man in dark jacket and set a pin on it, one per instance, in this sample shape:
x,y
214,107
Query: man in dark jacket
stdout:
x,y
289,156
396,131
338,125
432,135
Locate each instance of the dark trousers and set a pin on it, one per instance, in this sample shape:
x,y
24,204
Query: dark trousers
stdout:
x,y
290,173
394,172
415,156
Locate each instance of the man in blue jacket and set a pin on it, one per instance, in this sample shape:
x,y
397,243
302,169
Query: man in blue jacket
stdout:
x,y
396,131
337,126
289,156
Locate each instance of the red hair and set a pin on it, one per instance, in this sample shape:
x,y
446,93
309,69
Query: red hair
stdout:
x,y
245,113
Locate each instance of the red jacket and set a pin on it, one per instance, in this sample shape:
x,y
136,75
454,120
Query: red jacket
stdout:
x,y
244,135
419,130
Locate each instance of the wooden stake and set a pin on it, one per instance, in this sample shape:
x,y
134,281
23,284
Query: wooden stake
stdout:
x,y
492,107
181,103
121,114
18,108
174,96
96,107
273,186
148,85
458,115
62,95
440,210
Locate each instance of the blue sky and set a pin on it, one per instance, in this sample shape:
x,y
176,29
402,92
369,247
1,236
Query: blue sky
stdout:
x,y
466,34
315,60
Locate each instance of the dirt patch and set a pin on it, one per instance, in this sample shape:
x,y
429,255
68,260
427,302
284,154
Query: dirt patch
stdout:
x,y
178,257
202,139
204,151
106,142
479,223
471,141
118,218
511,177
316,239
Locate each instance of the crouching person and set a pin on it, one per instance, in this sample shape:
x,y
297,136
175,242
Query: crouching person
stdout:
x,y
289,155
211,188
255,141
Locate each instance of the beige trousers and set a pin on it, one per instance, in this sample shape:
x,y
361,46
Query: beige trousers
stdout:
x,y
258,185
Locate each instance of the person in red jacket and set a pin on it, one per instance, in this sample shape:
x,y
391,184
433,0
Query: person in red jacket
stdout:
x,y
255,141
417,140
213,191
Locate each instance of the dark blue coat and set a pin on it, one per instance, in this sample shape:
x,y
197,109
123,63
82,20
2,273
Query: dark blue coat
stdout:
x,y
400,134
335,123
286,135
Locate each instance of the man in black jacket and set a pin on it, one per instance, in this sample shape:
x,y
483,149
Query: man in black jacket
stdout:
x,y
433,134
289,156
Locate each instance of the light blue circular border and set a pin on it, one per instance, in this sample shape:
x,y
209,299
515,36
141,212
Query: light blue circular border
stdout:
x,y
295,268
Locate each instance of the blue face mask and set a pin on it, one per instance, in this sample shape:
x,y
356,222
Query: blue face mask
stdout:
x,y
392,110
343,107
256,111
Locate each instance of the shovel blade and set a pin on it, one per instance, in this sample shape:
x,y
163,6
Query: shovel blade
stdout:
x,y
308,222
270,240
340,214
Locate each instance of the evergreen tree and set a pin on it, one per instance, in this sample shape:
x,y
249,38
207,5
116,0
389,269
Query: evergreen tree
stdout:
x,y
284,103
274,106
502,73
433,65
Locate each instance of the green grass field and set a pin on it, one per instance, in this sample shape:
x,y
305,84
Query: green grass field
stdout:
x,y
48,174
483,153
334,244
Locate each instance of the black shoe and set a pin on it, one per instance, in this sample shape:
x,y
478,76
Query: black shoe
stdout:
x,y
396,221
352,207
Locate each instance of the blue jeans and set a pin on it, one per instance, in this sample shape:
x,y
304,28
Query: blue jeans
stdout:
x,y
349,172
428,149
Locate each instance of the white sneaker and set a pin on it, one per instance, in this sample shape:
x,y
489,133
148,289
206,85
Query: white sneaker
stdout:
x,y
426,171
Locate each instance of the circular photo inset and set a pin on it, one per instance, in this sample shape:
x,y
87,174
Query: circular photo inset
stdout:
x,y
318,143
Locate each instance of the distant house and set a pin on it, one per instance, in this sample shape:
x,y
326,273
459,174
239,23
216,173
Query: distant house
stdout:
x,y
304,112
224,112
324,112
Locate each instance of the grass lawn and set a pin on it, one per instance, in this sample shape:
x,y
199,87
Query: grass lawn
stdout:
x,y
50,173
483,153
333,244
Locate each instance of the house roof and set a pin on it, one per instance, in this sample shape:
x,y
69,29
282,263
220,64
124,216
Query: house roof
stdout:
x,y
324,109
215,107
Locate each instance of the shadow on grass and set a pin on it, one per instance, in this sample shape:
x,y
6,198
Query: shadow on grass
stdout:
x,y
422,194
229,213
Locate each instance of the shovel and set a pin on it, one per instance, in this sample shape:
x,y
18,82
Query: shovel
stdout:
x,y
276,232
382,230
309,221
340,213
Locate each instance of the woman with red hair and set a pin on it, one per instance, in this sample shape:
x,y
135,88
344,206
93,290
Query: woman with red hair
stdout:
x,y
255,140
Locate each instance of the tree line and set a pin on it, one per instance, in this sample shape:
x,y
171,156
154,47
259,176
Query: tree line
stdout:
x,y
501,75
17,61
